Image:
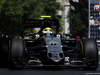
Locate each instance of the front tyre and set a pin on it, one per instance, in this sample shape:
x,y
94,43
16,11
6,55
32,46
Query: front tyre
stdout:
x,y
4,52
90,53
16,53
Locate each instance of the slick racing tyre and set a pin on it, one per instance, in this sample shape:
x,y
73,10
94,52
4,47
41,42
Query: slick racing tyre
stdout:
x,y
16,53
4,52
90,53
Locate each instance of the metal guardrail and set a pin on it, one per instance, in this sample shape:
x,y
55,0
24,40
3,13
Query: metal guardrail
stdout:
x,y
99,49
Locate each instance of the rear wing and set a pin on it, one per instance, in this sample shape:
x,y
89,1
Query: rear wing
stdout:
x,y
33,23
38,23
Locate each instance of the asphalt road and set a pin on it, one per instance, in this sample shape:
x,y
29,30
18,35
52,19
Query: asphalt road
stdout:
x,y
49,71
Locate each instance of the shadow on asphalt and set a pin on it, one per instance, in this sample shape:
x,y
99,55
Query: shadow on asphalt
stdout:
x,y
49,68
52,69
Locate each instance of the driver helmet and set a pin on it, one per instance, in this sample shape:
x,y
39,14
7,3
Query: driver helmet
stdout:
x,y
47,31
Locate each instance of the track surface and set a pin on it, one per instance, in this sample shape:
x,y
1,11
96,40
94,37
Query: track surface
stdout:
x,y
49,71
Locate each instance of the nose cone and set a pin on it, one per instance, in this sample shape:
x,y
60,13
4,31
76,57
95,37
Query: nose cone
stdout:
x,y
56,57
54,49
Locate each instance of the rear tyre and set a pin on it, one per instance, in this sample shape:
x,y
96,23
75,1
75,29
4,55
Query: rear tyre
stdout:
x,y
4,52
90,53
16,54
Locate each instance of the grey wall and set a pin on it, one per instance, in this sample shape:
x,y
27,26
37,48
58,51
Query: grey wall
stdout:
x,y
99,52
94,1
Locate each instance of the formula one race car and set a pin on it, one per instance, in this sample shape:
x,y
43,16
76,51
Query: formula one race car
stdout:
x,y
52,49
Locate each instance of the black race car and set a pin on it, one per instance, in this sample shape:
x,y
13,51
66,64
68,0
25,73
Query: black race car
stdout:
x,y
57,50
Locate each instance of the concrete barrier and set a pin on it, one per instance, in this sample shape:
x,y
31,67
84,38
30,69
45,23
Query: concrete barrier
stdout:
x,y
99,52
99,56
